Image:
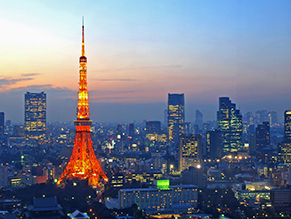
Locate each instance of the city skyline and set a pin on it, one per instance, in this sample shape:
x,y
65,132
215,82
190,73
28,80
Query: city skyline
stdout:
x,y
139,52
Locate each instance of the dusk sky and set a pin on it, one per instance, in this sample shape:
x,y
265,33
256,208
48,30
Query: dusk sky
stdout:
x,y
139,51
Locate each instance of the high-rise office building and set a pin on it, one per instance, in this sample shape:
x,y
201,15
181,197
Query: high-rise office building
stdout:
x,y
287,126
2,127
213,144
176,116
273,118
190,151
3,138
229,123
252,144
198,119
285,147
261,116
249,118
119,130
153,127
262,137
3,176
131,130
165,118
35,115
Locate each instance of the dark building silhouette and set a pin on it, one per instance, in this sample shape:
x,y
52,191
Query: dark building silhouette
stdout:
x,y
119,129
229,123
18,131
2,126
273,118
287,126
213,144
35,115
188,128
47,207
131,130
194,176
252,144
198,119
153,127
284,152
262,138
262,116
165,118
281,199
3,138
196,130
9,128
176,116
249,118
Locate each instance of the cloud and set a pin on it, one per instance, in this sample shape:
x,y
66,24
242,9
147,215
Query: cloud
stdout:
x,y
119,79
140,68
57,92
61,102
8,81
30,74
5,81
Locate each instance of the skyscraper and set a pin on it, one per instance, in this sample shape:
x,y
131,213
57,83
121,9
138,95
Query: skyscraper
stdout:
x,y
262,138
198,119
273,118
119,130
153,127
287,126
190,151
131,130
261,116
229,123
213,144
176,116
35,115
285,147
2,127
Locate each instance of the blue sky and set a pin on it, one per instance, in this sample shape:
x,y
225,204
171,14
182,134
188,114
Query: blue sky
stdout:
x,y
139,51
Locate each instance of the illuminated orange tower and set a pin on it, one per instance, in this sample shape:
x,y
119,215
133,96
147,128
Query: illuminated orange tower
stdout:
x,y
83,163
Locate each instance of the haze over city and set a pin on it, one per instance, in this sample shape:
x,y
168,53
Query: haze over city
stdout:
x,y
139,51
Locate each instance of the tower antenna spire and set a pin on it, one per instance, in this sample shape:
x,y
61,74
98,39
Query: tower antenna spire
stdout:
x,y
83,43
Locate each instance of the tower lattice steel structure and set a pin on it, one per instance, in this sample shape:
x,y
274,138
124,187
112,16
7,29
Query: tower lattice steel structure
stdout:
x,y
83,163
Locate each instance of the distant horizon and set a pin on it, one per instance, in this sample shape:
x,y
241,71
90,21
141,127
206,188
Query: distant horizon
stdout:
x,y
127,113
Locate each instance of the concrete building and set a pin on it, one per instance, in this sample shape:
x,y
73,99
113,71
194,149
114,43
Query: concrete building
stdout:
x,y
161,198
3,176
35,115
229,122
190,151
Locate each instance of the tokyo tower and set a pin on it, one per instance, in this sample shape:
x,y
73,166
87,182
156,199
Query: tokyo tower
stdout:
x,y
83,164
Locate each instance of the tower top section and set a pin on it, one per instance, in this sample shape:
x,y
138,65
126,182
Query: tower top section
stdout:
x,y
83,97
83,58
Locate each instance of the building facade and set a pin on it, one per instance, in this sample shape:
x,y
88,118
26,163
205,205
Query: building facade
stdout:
x,y
190,151
2,127
159,198
262,138
153,127
213,144
229,123
285,147
176,116
35,115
